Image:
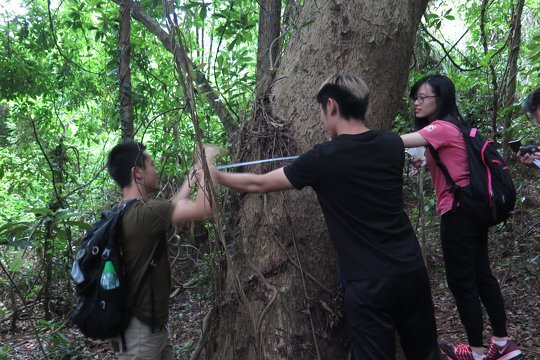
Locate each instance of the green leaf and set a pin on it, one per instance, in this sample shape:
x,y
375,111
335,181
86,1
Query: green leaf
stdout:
x,y
80,224
203,13
42,211
16,264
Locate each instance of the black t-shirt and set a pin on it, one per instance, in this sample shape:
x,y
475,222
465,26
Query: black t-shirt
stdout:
x,y
358,180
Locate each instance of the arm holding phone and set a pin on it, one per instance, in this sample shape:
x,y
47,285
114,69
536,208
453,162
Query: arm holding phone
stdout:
x,y
526,154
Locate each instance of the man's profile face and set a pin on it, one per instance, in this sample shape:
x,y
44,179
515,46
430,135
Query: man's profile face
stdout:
x,y
150,175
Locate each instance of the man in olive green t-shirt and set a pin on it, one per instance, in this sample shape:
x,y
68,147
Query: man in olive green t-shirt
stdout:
x,y
144,226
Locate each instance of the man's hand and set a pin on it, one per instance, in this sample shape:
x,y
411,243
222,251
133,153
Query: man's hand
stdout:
x,y
210,150
214,173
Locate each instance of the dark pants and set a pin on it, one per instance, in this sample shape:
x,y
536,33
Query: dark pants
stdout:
x,y
376,308
469,276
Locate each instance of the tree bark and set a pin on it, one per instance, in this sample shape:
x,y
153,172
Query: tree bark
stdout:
x,y
124,73
268,42
281,297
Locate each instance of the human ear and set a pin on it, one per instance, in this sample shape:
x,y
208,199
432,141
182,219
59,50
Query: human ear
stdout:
x,y
136,172
331,106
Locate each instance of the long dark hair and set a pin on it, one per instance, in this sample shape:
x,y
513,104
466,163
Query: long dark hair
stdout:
x,y
445,91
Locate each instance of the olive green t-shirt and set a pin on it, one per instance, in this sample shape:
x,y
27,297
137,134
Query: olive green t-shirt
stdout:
x,y
144,224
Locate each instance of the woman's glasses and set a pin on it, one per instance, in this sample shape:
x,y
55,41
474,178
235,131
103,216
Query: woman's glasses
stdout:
x,y
421,99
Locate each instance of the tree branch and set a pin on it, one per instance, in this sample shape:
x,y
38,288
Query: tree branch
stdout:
x,y
447,52
138,13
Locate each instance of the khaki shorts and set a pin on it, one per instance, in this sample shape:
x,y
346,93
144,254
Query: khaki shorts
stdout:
x,y
141,343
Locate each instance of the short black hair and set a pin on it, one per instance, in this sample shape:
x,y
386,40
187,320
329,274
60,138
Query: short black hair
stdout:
x,y
122,158
350,93
532,101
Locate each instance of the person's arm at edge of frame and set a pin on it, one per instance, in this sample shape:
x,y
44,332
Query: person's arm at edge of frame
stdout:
x,y
412,140
527,159
272,181
185,189
186,209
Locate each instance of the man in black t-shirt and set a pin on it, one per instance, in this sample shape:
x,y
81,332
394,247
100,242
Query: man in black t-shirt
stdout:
x,y
358,179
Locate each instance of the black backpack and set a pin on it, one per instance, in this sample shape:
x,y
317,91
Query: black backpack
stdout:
x,y
104,313
491,196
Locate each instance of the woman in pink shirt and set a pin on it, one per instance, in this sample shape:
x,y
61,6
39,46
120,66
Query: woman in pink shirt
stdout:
x,y
464,241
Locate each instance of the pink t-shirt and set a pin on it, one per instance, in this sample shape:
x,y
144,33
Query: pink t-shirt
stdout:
x,y
447,139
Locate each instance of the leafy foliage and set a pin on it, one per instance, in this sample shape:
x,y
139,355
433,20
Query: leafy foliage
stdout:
x,y
59,111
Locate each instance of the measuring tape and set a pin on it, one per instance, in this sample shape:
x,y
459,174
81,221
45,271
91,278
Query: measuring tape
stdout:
x,y
254,162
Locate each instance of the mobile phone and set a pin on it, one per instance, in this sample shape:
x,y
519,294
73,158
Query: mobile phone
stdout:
x,y
528,149
515,145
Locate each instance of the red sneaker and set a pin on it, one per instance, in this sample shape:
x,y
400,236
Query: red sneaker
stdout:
x,y
506,352
460,352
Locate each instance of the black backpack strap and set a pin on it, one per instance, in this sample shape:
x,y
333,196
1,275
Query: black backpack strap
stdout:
x,y
158,253
117,221
444,170
160,249
153,263
453,186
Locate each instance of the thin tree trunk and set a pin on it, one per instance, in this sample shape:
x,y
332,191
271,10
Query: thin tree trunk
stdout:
x,y
493,73
124,72
268,42
47,268
512,70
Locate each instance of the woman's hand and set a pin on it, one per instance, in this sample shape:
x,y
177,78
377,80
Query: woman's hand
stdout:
x,y
417,163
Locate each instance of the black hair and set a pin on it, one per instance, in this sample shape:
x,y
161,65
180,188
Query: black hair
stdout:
x,y
122,158
445,92
532,101
342,89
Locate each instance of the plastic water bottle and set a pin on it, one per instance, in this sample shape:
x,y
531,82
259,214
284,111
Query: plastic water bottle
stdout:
x,y
109,278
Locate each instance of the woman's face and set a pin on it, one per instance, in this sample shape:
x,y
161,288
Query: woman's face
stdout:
x,y
425,102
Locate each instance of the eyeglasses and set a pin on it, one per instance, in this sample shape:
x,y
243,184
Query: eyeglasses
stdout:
x,y
421,99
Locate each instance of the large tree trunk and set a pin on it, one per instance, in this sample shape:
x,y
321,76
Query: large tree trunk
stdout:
x,y
281,297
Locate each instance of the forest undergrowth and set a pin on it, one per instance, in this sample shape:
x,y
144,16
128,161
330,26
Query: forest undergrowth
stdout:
x,y
514,253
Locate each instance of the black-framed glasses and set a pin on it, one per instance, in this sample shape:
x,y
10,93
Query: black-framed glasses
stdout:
x,y
421,99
